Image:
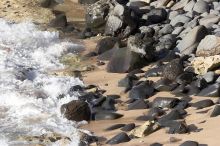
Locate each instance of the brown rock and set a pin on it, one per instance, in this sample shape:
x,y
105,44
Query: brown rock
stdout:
x,y
76,110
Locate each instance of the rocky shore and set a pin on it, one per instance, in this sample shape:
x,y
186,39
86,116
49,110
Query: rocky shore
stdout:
x,y
151,68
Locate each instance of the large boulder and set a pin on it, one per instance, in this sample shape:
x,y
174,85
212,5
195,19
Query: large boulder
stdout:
x,y
191,40
209,46
76,110
124,60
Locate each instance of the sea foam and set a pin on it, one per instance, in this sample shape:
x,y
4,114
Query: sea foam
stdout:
x,y
28,94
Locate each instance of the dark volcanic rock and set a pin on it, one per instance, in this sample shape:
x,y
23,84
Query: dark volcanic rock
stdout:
x,y
87,1
128,127
76,110
113,127
216,111
108,104
157,15
120,138
190,143
185,78
138,104
105,44
179,90
164,85
200,83
156,144
211,91
124,60
165,102
173,115
107,116
155,112
203,104
173,69
177,127
143,90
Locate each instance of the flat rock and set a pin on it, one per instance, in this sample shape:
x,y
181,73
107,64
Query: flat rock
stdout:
x,y
155,112
171,116
203,104
119,138
177,127
189,6
190,42
209,20
105,44
209,46
179,19
211,91
209,77
164,85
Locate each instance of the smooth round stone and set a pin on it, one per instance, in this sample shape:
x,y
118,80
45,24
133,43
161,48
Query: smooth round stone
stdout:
x,y
107,116
165,102
189,6
182,104
203,104
113,96
179,18
105,44
128,127
119,138
209,77
138,104
216,111
113,127
167,29
201,7
177,30
157,15
144,118
190,143
179,90
192,90
200,83
210,91
154,72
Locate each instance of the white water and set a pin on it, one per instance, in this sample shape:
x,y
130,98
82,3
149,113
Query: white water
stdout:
x,y
28,95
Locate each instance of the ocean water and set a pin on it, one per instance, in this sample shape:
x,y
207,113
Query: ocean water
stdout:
x,y
28,95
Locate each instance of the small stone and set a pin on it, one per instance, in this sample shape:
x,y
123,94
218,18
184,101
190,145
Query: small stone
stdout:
x,y
177,127
185,78
201,6
119,138
113,127
157,15
173,115
190,143
180,4
156,144
189,6
128,127
209,20
105,44
143,90
145,129
209,77
107,116
155,112
138,104
164,85
203,104
179,19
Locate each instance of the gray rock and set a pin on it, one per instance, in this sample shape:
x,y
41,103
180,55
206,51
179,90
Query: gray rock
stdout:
x,y
209,77
173,14
209,46
87,1
201,7
105,44
60,21
167,29
209,20
119,138
157,15
190,143
180,4
203,104
191,40
179,19
189,6
177,30
113,25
